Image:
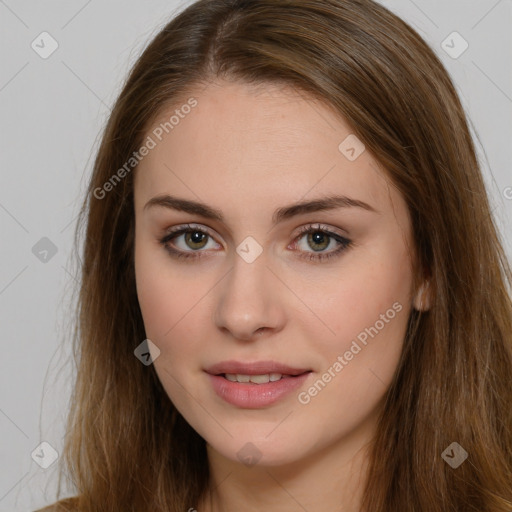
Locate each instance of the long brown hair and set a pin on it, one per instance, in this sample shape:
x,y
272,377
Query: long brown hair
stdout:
x,y
127,448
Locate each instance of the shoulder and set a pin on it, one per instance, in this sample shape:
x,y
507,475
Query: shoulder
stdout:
x,y
65,505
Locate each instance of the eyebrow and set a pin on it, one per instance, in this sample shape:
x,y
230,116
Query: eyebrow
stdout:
x,y
330,202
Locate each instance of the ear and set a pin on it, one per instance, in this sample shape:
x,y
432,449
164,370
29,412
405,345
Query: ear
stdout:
x,y
423,299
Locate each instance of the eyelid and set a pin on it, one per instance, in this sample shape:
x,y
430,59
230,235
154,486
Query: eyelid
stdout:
x,y
303,229
320,227
188,226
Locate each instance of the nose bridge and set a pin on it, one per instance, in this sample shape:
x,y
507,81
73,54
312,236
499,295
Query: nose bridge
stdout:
x,y
248,300
248,277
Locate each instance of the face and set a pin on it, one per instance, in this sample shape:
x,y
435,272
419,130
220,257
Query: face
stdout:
x,y
273,272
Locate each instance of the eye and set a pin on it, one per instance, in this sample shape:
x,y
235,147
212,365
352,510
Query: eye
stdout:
x,y
190,239
320,238
187,241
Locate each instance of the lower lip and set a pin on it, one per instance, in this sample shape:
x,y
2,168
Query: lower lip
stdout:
x,y
255,396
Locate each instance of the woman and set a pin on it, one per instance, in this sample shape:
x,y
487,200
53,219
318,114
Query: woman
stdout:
x,y
294,296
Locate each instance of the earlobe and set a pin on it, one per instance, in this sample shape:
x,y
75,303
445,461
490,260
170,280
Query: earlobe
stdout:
x,y
422,300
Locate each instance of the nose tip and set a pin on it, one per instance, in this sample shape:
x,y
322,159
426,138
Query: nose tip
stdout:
x,y
248,335
248,305
244,329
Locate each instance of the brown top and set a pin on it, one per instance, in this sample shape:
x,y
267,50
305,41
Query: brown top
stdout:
x,y
65,505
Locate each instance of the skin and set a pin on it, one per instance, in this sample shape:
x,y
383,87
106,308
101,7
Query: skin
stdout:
x,y
247,151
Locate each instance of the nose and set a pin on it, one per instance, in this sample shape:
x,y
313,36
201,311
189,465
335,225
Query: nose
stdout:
x,y
250,301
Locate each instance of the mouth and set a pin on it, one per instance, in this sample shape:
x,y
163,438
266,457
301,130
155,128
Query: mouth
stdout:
x,y
263,378
257,369
255,385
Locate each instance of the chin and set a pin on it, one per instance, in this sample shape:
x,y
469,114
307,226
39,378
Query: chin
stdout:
x,y
257,450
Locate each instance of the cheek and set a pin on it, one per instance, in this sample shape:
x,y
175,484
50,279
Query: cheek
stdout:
x,y
171,299
366,311
359,363
156,295
160,291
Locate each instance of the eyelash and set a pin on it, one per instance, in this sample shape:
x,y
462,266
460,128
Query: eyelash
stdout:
x,y
345,243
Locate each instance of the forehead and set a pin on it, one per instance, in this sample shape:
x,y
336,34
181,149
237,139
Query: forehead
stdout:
x,y
245,146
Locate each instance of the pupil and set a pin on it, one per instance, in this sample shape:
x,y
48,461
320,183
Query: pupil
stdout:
x,y
195,238
319,238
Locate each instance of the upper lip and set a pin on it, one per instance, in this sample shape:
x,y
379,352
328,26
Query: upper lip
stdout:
x,y
254,368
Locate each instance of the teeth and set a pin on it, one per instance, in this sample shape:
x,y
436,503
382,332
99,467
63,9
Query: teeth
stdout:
x,y
259,379
255,379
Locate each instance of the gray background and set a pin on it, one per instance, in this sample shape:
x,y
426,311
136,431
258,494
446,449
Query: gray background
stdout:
x,y
52,112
